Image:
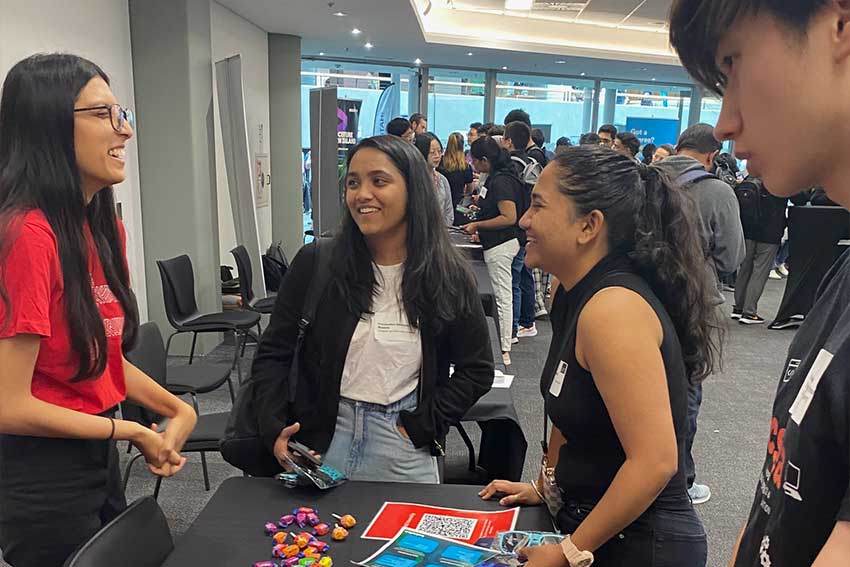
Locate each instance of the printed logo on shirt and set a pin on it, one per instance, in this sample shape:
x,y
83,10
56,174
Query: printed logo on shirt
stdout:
x,y
793,365
776,451
764,552
792,481
102,294
114,327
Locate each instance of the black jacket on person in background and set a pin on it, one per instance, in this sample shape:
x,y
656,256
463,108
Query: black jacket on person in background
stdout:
x,y
772,220
442,400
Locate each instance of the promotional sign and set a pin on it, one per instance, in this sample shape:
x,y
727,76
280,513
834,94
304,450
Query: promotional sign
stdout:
x,y
347,114
388,101
654,130
467,526
411,548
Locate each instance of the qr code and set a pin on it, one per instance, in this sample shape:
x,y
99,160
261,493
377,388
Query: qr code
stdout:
x,y
447,526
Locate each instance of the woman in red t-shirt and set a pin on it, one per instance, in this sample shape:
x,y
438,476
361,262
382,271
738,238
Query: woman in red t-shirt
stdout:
x,y
66,313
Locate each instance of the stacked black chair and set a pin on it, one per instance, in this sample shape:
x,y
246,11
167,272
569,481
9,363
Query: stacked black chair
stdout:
x,y
149,356
181,308
246,281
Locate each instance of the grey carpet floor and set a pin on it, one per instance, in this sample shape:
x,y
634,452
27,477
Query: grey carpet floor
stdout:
x,y
729,447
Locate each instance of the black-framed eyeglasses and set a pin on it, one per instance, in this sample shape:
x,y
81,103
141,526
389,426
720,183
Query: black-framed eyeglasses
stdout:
x,y
118,115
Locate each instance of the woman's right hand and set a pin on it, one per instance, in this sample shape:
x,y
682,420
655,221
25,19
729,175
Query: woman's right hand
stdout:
x,y
517,493
281,445
150,443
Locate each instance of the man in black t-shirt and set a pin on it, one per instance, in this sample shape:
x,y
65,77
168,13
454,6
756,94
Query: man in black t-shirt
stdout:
x,y
785,66
519,115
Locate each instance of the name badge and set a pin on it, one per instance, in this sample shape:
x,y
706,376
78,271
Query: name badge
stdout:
x,y
391,329
483,192
558,380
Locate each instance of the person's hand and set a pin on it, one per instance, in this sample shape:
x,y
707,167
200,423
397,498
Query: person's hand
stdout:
x,y
402,430
178,430
551,555
281,446
160,463
475,239
475,198
470,228
517,493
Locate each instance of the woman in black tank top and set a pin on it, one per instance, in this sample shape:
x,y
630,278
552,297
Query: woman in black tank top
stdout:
x,y
631,326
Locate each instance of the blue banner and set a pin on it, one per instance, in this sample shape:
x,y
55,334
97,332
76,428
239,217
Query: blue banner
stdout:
x,y
383,114
654,130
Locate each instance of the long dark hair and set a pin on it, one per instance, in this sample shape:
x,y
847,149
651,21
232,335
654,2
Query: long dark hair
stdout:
x,y
38,170
489,149
653,222
437,285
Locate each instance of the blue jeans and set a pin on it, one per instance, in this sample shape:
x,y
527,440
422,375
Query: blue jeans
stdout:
x,y
694,403
669,537
522,284
367,444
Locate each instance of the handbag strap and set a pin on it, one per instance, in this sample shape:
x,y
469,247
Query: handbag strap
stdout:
x,y
318,283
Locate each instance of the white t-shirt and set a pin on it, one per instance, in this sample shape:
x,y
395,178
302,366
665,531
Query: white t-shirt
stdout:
x,y
385,354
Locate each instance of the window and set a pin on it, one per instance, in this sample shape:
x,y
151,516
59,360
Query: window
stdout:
x,y
656,113
455,100
359,82
558,106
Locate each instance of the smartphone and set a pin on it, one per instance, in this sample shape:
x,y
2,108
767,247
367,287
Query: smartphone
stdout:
x,y
304,451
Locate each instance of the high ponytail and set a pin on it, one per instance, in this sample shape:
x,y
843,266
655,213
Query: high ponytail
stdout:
x,y
654,223
668,253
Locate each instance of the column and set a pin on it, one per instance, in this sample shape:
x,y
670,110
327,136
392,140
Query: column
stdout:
x,y
285,141
172,67
610,107
696,106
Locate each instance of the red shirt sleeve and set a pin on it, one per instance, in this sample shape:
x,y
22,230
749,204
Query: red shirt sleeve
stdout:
x,y
29,278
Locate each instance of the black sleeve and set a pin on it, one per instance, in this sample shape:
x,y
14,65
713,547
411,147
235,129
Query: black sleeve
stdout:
x,y
502,190
468,341
274,353
467,176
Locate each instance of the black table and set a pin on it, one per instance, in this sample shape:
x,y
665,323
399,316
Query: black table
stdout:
x,y
229,530
814,234
463,241
503,444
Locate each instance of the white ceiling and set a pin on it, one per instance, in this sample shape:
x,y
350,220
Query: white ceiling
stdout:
x,y
643,13
541,43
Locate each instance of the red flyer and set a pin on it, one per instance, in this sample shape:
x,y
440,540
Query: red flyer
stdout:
x,y
467,526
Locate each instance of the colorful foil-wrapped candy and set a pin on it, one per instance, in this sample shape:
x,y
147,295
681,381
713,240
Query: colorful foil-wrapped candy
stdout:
x,y
286,521
347,521
321,529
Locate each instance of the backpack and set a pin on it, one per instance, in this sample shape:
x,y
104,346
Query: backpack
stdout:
x,y
529,172
749,194
726,169
242,444
273,272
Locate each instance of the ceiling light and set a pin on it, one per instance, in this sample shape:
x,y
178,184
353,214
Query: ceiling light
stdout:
x,y
417,61
368,45
356,31
469,54
339,14
653,78
519,4
504,68
583,73
321,53
560,61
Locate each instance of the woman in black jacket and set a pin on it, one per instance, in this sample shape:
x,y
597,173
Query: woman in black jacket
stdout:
x,y
373,391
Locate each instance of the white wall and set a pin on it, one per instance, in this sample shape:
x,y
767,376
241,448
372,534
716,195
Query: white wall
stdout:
x,y
232,35
98,30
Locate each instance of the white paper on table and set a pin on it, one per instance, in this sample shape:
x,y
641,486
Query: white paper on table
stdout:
x,y
502,380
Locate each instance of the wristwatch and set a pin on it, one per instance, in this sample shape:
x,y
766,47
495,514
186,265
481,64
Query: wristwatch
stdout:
x,y
575,557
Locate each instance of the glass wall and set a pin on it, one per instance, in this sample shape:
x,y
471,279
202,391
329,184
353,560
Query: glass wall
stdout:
x,y
560,107
455,100
627,104
356,82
